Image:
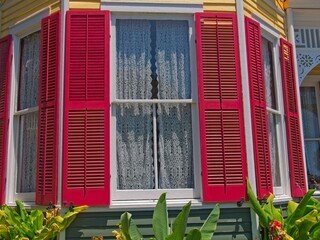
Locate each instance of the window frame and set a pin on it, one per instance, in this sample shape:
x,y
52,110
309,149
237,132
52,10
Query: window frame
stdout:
x,y
20,30
312,81
119,195
273,37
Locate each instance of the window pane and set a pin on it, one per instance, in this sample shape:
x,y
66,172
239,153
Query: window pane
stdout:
x,y
172,59
175,146
312,149
133,59
27,153
268,73
29,71
135,146
309,112
274,150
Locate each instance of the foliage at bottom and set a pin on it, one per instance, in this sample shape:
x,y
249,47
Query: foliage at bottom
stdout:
x,y
18,223
128,230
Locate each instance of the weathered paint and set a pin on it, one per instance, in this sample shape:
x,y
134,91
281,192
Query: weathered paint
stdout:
x,y
13,12
268,11
233,224
219,5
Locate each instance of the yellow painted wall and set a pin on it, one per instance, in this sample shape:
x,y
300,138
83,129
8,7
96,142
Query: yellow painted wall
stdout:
x,y
219,5
15,11
270,13
84,4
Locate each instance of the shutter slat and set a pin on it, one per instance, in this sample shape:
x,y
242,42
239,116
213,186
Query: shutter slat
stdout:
x,y
5,66
86,147
48,124
220,101
258,109
296,162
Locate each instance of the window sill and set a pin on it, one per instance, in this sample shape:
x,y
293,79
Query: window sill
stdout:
x,y
282,199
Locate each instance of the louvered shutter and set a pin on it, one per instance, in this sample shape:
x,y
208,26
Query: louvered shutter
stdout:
x,y
5,68
258,109
224,167
48,124
297,172
86,133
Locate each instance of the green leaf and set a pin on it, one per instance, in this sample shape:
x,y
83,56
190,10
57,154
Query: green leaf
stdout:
x,y
36,217
21,211
180,223
271,211
160,224
129,228
195,234
255,205
210,225
292,206
289,223
304,225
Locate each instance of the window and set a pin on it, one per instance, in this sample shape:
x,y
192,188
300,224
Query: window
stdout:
x,y
154,110
309,94
26,114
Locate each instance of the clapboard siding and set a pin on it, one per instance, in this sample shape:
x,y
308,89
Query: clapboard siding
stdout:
x,y
267,11
233,223
219,5
15,11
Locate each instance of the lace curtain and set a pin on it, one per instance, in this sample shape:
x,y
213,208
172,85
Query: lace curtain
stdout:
x,y
28,97
311,130
140,44
272,118
134,121
174,120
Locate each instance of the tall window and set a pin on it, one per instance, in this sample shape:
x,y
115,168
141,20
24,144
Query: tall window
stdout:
x,y
309,95
154,105
274,116
26,115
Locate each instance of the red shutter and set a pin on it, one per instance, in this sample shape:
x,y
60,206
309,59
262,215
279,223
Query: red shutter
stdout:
x,y
224,167
5,68
48,118
297,172
86,133
258,109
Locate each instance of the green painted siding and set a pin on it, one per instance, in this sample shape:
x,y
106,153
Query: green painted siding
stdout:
x,y
234,223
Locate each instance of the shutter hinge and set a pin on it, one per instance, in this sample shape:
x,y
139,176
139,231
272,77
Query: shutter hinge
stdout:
x,y
241,202
71,207
263,200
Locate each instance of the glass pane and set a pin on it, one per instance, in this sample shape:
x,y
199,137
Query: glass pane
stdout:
x,y
173,60
133,59
27,153
268,74
312,149
135,146
175,146
274,150
29,71
309,112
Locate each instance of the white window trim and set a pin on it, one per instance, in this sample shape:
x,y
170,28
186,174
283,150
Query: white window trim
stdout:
x,y
137,197
20,30
274,36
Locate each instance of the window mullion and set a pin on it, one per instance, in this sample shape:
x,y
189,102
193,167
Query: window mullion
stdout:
x,y
155,146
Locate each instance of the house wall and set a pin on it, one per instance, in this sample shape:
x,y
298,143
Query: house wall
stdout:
x,y
233,224
15,11
219,5
267,11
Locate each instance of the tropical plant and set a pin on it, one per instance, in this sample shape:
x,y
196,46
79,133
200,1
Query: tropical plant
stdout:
x,y
128,230
18,223
302,222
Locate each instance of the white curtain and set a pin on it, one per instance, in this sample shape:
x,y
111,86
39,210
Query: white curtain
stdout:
x,y
28,126
134,121
146,48
272,118
311,130
174,120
